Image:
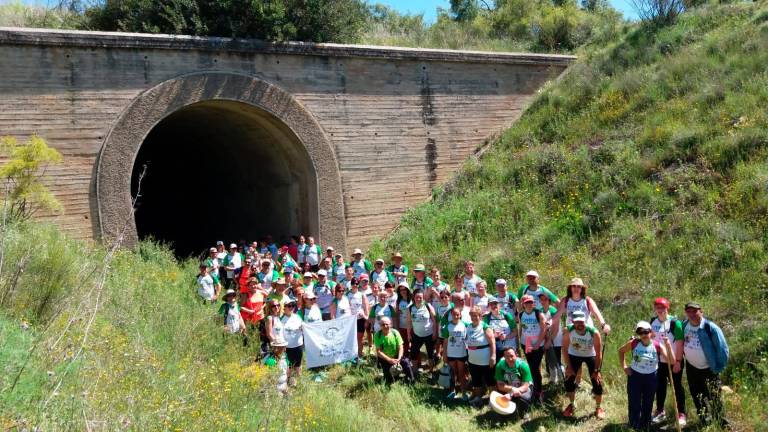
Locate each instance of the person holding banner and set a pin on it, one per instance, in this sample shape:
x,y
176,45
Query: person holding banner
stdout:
x,y
533,329
582,346
340,306
310,312
389,350
292,330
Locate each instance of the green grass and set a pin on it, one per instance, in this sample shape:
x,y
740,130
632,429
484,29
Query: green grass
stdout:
x,y
642,170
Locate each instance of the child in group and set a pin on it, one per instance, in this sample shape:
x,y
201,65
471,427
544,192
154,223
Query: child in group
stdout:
x,y
233,321
278,359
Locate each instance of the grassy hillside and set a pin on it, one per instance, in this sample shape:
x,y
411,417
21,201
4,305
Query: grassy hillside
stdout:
x,y
644,171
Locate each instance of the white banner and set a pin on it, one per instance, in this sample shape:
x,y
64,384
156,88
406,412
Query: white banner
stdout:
x,y
328,342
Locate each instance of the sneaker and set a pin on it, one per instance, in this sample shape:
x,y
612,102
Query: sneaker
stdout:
x,y
568,413
682,419
318,378
659,417
451,395
476,401
600,413
465,397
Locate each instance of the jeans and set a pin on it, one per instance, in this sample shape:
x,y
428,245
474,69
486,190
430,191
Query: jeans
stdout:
x,y
641,390
661,392
705,392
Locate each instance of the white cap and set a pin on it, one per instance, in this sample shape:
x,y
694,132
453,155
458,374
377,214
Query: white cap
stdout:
x,y
532,273
308,274
329,248
357,251
643,325
579,316
379,260
322,272
233,245
229,292
310,295
404,284
212,249
501,282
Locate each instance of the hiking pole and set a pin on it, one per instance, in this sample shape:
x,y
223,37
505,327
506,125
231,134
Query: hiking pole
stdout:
x,y
672,384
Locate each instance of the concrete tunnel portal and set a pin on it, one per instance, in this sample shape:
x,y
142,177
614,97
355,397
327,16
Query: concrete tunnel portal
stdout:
x,y
222,170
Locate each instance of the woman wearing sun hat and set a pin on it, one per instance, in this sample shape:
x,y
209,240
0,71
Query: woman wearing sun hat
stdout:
x,y
576,299
642,379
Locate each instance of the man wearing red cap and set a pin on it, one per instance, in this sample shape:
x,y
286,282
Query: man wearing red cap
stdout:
x,y
667,325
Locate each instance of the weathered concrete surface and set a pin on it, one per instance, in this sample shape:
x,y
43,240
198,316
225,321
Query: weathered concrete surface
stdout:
x,y
380,125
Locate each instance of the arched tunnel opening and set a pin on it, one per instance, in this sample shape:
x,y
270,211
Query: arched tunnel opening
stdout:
x,y
222,170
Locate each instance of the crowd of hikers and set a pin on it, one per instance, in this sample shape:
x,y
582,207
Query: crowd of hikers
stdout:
x,y
414,323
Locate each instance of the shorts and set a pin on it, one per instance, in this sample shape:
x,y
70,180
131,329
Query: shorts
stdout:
x,y
482,375
361,322
294,355
418,341
461,359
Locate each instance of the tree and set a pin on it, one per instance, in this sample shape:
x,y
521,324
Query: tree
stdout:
x,y
659,12
25,192
464,10
274,20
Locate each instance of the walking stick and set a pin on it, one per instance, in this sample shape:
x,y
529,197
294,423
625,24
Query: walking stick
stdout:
x,y
602,356
674,396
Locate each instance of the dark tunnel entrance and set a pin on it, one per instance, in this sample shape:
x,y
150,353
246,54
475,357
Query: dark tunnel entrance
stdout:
x,y
223,170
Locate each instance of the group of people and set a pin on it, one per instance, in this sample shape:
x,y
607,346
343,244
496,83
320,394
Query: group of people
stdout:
x,y
411,320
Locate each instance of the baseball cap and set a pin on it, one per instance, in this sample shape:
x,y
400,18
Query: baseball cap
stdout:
x,y
322,272
692,305
233,245
501,282
287,270
212,250
661,301
493,300
642,325
329,248
308,275
280,281
364,277
357,251
219,243
579,316
532,273
527,299
419,267
379,260
310,295
404,284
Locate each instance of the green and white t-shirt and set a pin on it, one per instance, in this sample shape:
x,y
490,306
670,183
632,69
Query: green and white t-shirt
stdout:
x,y
421,285
672,328
421,320
525,289
378,312
515,375
470,284
582,345
456,334
645,358
402,268
530,329
478,348
503,324
343,308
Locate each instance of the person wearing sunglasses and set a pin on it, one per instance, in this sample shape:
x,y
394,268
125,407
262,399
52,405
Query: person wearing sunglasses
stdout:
x,y
292,329
274,327
310,311
642,373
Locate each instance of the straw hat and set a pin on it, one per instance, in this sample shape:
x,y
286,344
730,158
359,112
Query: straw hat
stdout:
x,y
500,404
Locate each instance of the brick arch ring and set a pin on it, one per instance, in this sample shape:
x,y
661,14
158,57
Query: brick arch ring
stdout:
x,y
121,146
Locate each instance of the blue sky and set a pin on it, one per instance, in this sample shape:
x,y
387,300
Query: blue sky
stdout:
x,y
429,7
